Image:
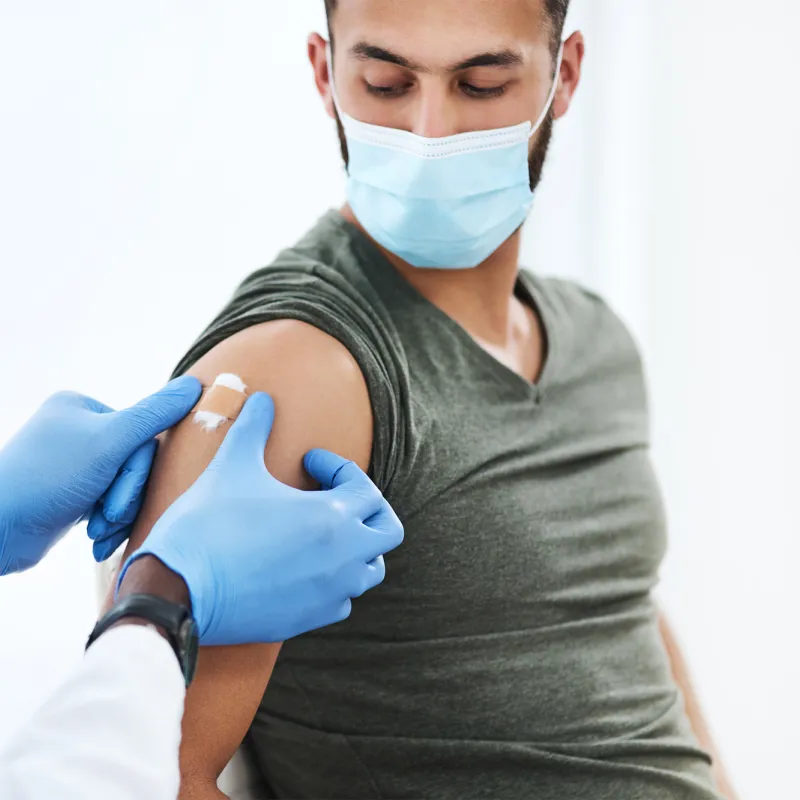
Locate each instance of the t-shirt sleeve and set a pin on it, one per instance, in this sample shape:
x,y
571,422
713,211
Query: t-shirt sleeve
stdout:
x,y
307,291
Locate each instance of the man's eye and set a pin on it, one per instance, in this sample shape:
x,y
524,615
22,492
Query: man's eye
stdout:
x,y
483,93
386,91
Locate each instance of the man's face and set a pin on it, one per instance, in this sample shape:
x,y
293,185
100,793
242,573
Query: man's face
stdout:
x,y
443,67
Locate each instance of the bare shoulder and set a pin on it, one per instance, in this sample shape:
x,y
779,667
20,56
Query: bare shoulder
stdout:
x,y
321,401
320,394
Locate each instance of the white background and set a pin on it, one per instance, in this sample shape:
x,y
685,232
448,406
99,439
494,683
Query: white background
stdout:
x,y
154,153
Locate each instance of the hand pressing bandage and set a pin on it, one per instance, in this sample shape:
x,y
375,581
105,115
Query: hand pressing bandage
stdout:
x,y
223,402
263,561
112,520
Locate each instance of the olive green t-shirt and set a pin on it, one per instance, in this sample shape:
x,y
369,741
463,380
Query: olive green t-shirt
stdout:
x,y
513,650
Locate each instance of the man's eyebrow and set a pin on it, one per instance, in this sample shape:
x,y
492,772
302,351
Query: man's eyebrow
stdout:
x,y
500,58
370,52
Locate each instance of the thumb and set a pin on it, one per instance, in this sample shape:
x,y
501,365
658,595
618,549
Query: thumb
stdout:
x,y
250,433
347,479
157,413
330,470
339,474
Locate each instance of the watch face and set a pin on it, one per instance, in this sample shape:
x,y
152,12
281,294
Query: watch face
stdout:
x,y
189,645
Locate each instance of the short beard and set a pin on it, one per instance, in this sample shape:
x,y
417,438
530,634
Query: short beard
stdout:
x,y
536,159
538,156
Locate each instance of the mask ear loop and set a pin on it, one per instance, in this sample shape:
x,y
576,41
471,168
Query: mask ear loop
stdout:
x,y
552,97
334,95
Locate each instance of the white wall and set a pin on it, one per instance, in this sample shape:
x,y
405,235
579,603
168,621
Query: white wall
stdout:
x,y
723,330
154,153
690,113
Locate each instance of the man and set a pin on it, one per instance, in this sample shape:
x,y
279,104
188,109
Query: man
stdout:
x,y
288,562
516,651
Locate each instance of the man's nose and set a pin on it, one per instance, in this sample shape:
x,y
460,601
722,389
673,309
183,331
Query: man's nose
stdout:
x,y
435,114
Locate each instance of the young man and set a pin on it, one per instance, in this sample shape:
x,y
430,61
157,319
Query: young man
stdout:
x,y
515,650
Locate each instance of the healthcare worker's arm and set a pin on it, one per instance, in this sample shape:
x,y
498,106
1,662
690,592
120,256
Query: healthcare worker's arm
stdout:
x,y
113,729
680,672
321,401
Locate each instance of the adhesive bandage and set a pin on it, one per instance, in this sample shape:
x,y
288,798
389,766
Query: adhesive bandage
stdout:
x,y
221,403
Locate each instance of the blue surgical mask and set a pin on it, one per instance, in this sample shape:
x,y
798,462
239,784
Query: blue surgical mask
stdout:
x,y
444,203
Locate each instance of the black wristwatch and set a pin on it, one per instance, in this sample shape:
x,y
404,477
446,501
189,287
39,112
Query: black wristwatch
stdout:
x,y
176,620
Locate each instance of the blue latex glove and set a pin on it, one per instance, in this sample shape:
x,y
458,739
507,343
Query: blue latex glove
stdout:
x,y
113,515
265,562
73,452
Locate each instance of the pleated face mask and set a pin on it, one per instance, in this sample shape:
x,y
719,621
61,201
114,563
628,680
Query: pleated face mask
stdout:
x,y
444,203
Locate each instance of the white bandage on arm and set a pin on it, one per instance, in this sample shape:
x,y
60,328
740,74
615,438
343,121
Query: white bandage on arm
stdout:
x,y
221,403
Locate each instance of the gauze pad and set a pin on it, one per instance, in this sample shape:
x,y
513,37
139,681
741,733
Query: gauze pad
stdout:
x,y
222,402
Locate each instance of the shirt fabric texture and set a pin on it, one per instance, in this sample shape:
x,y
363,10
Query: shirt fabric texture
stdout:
x,y
513,650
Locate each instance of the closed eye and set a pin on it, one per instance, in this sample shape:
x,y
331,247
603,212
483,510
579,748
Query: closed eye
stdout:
x,y
477,92
482,92
387,91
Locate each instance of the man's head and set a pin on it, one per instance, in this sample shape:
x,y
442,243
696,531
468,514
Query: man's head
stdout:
x,y
556,16
442,67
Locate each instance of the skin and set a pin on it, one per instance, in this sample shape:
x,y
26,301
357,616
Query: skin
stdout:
x,y
320,395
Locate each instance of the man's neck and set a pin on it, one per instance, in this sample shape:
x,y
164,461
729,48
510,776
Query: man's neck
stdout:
x,y
481,300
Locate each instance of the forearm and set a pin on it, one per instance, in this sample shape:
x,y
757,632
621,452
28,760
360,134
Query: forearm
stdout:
x,y
694,711
205,753
207,748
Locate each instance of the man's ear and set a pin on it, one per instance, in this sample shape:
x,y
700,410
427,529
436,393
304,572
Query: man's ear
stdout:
x,y
571,63
318,56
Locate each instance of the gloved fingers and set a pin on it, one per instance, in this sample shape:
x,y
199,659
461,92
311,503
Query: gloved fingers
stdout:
x,y
357,578
386,521
123,499
106,536
330,470
103,531
347,480
99,527
155,414
324,615
95,405
375,574
364,577
342,611
250,433
369,544
103,549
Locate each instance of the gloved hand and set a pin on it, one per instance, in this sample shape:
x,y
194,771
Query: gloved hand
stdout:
x,y
73,452
265,562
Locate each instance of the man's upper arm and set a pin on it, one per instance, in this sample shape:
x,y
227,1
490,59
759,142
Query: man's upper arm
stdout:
x,y
322,401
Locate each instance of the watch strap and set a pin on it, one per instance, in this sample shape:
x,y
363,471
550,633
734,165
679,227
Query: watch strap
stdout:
x,y
171,617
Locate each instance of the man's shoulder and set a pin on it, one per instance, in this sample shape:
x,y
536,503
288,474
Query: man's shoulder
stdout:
x,y
585,308
569,293
320,393
330,248
308,324
591,336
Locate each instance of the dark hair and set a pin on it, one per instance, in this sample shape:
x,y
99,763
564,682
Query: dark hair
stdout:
x,y
556,9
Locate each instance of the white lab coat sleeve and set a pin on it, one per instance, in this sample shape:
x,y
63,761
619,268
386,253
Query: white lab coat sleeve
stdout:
x,y
112,732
